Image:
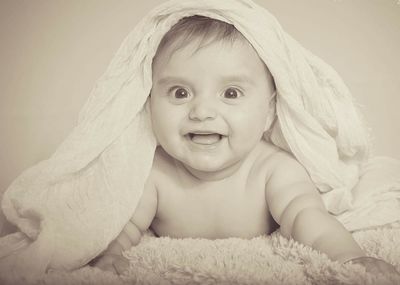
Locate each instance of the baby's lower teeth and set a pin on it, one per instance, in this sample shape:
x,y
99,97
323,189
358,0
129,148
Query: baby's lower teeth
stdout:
x,y
205,138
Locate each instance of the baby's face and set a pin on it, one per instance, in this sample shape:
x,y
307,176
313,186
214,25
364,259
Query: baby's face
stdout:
x,y
209,106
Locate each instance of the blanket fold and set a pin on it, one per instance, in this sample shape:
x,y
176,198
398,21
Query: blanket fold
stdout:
x,y
70,207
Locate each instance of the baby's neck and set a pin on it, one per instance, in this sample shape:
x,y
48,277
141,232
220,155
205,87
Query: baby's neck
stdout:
x,y
210,175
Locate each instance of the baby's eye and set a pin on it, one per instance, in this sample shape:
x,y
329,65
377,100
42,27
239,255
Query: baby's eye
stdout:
x,y
181,93
232,93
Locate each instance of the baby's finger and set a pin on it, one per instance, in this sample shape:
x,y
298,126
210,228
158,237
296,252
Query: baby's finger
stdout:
x,y
121,265
375,265
105,263
387,268
106,267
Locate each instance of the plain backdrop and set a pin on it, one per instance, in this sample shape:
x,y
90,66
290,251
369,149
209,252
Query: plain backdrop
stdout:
x,y
52,52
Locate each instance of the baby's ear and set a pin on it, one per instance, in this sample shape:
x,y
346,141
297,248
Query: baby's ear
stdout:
x,y
147,105
270,121
271,115
147,108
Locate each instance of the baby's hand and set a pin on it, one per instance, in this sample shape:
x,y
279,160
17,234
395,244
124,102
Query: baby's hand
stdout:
x,y
112,262
375,265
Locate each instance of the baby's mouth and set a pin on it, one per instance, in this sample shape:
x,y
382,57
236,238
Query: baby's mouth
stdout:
x,y
205,138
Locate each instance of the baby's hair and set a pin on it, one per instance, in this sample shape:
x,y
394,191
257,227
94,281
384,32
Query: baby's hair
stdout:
x,y
202,29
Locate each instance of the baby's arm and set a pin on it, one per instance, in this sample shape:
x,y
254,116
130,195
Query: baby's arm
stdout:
x,y
111,259
297,206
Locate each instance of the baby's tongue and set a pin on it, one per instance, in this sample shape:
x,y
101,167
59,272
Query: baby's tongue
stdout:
x,y
205,138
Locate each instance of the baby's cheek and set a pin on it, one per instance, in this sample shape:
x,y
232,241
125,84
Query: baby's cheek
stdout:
x,y
245,139
253,126
161,129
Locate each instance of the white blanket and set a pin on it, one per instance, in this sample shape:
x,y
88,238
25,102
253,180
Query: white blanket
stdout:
x,y
71,206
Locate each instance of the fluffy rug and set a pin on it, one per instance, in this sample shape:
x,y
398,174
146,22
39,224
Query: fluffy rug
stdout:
x,y
262,260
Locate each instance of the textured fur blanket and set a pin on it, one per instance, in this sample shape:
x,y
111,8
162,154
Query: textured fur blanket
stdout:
x,y
262,260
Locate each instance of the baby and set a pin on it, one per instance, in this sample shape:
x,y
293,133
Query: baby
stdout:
x,y
213,175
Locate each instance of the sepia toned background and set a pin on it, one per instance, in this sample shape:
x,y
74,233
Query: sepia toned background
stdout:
x,y
52,52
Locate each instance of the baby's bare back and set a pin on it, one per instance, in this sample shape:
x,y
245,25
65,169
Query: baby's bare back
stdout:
x,y
231,207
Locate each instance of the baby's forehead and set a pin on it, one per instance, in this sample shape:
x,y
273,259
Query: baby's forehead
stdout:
x,y
214,51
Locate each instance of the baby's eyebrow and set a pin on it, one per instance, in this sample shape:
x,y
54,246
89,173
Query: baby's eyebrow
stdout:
x,y
240,78
172,79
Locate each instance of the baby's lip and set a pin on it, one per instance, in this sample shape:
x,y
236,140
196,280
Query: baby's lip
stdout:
x,y
204,132
204,137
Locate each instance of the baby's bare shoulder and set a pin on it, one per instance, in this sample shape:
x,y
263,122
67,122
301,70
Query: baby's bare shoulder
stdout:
x,y
269,156
275,156
272,160
147,206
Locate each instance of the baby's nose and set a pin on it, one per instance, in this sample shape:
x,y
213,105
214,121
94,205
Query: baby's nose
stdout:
x,y
202,110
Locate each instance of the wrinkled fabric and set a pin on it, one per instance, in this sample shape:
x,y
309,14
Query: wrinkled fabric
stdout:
x,y
70,207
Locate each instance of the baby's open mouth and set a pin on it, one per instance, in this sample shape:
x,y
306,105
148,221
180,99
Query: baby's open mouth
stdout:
x,y
205,138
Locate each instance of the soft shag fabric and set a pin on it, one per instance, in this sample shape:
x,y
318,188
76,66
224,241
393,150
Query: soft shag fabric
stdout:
x,y
71,206
258,261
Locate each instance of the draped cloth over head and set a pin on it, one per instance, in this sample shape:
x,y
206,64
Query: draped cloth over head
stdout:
x,y
71,206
